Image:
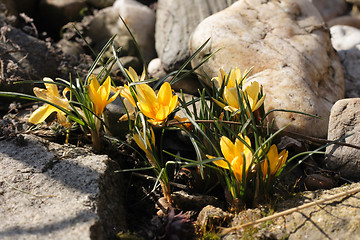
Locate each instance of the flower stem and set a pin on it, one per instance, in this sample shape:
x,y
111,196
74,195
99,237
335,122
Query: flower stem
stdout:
x,y
96,141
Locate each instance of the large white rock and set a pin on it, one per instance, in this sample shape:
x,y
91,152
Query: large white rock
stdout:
x,y
289,46
346,40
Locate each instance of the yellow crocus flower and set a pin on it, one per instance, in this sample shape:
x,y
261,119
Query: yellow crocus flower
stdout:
x,y
234,76
275,160
252,93
234,154
156,107
52,95
99,95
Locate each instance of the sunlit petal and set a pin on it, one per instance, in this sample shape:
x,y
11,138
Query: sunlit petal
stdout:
x,y
146,109
165,94
227,148
231,96
132,74
259,103
125,92
173,103
94,82
40,114
52,88
237,168
162,113
146,94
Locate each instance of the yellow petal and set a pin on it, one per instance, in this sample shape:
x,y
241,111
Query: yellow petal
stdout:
x,y
132,74
162,113
231,97
240,147
146,94
227,148
40,114
125,92
273,158
146,109
139,142
173,103
62,119
52,88
259,103
142,78
237,168
107,85
232,79
252,92
113,97
94,82
165,94
219,163
230,109
93,95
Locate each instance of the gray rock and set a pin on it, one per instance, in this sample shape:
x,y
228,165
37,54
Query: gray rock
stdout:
x,y
289,47
331,9
175,21
336,219
112,113
189,84
21,6
345,120
24,57
345,20
346,40
156,69
101,3
139,18
211,216
52,191
59,12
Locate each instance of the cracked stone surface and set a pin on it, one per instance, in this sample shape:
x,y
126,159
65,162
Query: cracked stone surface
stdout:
x,y
289,46
52,191
335,219
175,21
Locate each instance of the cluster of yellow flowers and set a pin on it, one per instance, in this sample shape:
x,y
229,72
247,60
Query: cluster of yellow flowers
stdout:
x,y
239,157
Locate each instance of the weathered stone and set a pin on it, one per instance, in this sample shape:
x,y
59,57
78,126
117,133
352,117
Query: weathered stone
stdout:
x,y
331,9
289,47
175,21
101,3
139,18
189,84
23,57
211,216
52,191
59,12
112,114
345,20
346,40
345,120
337,219
156,68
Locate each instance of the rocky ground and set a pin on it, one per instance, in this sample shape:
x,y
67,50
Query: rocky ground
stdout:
x,y
306,54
